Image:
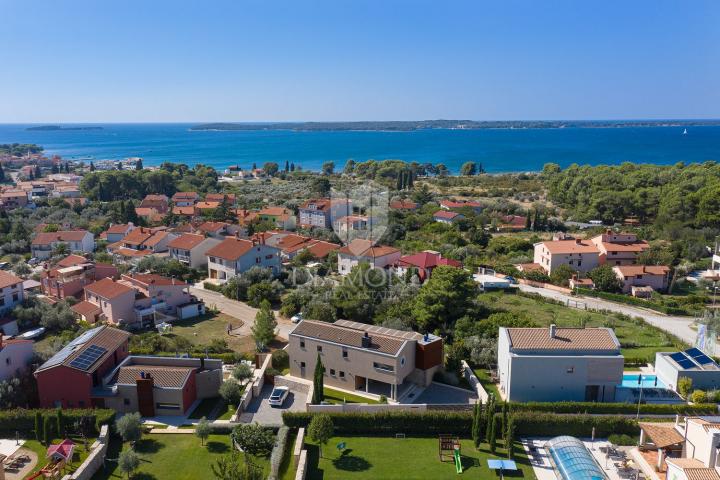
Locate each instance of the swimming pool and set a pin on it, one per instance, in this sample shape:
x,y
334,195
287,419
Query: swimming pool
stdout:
x,y
648,381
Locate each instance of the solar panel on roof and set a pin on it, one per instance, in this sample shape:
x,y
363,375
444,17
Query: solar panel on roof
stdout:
x,y
678,356
686,364
704,360
87,358
694,352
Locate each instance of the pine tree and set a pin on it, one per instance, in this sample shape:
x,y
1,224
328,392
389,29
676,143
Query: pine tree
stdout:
x,y
38,172
398,183
292,166
2,173
263,330
287,166
318,382
92,167
47,430
492,440
130,213
510,436
38,426
254,166
138,164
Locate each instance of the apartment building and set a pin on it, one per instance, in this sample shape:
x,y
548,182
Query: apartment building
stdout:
x,y
315,213
15,357
191,249
185,199
283,218
580,255
364,357
558,364
656,277
234,256
69,276
359,250
43,244
619,248
12,199
11,292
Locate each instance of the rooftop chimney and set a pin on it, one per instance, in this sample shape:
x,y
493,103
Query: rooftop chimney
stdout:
x,y
366,340
552,330
578,241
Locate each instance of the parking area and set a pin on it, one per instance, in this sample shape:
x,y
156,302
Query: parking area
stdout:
x,y
260,410
438,394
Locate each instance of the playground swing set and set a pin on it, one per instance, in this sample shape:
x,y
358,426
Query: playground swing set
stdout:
x,y
449,450
60,455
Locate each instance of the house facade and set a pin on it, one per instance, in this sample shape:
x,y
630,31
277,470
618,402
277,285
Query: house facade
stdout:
x,y
15,357
559,364
358,357
11,292
655,276
443,216
315,213
360,250
580,255
70,275
423,264
44,243
234,256
191,249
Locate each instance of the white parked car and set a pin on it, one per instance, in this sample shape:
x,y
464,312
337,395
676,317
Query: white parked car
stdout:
x,y
296,318
278,396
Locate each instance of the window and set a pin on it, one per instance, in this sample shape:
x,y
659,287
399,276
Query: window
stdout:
x,y
332,372
342,374
2,302
383,366
15,297
167,406
268,257
345,353
570,370
257,259
8,361
213,259
319,348
639,277
126,401
302,343
302,364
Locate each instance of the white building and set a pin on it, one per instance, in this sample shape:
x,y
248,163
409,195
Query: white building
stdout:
x,y
670,367
234,256
76,240
15,357
359,250
555,364
191,249
11,292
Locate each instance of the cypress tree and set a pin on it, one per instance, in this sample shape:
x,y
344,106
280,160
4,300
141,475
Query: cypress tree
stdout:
x,y
492,440
287,166
292,166
536,222
60,427
510,437
528,221
38,426
67,167
2,174
504,417
318,382
38,172
398,183
47,430
92,167
489,416
477,424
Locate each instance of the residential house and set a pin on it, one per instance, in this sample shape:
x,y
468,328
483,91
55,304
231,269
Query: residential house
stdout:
x,y
702,370
351,223
444,216
559,364
43,244
217,229
12,199
315,213
191,249
117,232
15,357
228,198
512,223
107,301
11,292
70,275
234,256
206,207
142,242
580,255
66,191
292,244
360,250
457,204
187,212
283,218
185,199
423,264
619,248
404,205
368,358
656,277
159,203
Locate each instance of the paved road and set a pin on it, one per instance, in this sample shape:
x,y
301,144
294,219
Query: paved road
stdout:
x,y
678,326
241,311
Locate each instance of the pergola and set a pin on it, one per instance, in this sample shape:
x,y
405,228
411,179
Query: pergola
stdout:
x,y
662,437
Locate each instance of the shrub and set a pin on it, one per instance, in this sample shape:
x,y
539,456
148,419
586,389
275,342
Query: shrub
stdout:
x,y
698,396
549,424
129,427
230,392
278,452
623,440
280,359
615,408
253,438
684,386
426,423
23,420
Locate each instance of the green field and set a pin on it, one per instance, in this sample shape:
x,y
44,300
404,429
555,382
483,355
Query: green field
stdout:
x,y
177,457
638,339
403,459
336,396
79,455
202,330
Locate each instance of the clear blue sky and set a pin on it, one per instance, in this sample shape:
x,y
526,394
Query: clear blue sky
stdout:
x,y
264,60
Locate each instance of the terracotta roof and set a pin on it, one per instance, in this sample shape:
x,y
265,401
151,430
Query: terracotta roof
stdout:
x,y
86,309
572,339
231,248
685,462
662,434
107,288
703,473
275,212
63,236
365,248
184,210
138,236
529,267
167,377
212,227
460,203
322,249
185,196
403,205
515,221
156,238
321,204
207,205
8,279
219,197
428,260
187,241
559,247
347,336
638,246
445,214
119,228
153,279
130,252
635,270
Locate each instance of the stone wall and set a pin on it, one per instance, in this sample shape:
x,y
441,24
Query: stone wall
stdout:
x,y
475,384
95,460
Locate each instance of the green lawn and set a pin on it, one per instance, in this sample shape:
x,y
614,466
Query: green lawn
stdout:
x,y
205,407
79,455
179,457
227,412
484,378
336,396
202,330
403,459
638,340
287,467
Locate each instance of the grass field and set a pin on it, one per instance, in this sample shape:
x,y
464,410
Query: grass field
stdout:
x,y
179,457
336,396
79,455
204,409
403,459
484,378
202,330
639,340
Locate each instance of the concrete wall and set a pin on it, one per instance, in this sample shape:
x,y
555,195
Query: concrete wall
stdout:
x,y
367,408
95,459
253,389
299,444
302,466
473,381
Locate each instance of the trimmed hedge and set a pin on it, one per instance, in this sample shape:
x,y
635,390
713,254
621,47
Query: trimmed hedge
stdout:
x,y
409,423
23,420
626,299
212,287
550,425
229,358
615,408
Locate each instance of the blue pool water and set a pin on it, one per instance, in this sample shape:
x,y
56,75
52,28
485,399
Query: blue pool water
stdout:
x,y
648,381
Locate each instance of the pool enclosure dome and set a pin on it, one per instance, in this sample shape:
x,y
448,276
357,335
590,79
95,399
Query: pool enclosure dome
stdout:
x,y
572,460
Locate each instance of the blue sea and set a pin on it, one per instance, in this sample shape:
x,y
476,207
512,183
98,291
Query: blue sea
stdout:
x,y
498,150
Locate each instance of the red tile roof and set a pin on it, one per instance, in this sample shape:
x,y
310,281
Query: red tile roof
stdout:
x,y
166,377
635,270
445,214
365,248
187,241
8,279
321,204
184,210
428,260
71,261
322,249
403,205
570,246
107,288
119,228
62,236
231,248
185,196
152,279
212,227
86,309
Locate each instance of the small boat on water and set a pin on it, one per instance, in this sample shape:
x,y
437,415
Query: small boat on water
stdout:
x,y
685,132
30,334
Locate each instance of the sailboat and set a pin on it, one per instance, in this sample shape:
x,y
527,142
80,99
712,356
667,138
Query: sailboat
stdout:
x,y
685,132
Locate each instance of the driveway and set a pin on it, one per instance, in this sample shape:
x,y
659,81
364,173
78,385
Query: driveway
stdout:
x,y
678,326
241,311
260,410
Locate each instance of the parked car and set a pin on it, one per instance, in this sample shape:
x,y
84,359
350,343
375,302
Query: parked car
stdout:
x,y
296,318
278,396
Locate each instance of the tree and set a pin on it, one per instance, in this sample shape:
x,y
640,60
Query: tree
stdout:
x,y
321,429
684,386
39,426
139,164
318,382
60,423
263,330
444,298
489,416
253,438
328,168
510,437
320,186
202,430
230,392
92,167
292,166
242,372
2,174
54,169
47,430
287,166
492,439
561,275
128,462
468,168
67,167
349,166
38,172
129,427
131,215
235,467
605,279
477,423
271,168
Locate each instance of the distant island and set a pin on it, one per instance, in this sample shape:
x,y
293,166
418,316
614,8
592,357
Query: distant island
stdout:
x,y
407,126
52,128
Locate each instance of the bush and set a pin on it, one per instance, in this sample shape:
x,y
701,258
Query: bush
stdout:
x,y
231,392
623,440
426,423
615,408
698,396
280,359
253,438
212,287
549,425
23,420
684,386
278,452
627,299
